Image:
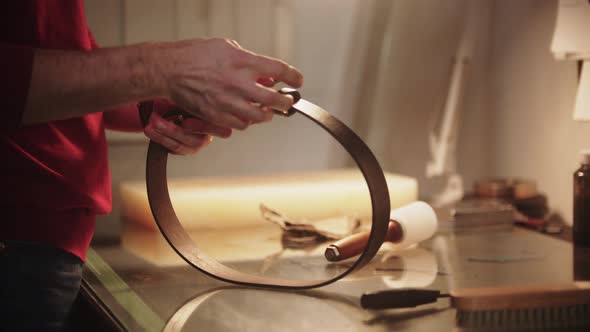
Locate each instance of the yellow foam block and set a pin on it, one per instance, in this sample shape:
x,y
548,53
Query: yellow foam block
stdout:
x,y
220,202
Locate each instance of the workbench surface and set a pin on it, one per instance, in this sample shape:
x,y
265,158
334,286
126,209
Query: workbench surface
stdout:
x,y
140,296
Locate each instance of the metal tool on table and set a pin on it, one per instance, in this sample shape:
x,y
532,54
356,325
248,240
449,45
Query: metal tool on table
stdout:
x,y
180,241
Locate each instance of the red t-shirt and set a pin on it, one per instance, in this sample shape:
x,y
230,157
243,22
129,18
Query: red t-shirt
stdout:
x,y
54,176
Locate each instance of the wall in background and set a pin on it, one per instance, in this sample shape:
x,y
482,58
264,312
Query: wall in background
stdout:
x,y
409,49
532,98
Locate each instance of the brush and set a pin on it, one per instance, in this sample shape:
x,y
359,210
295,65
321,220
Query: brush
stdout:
x,y
499,308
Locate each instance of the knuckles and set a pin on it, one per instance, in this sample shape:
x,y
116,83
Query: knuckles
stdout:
x,y
227,46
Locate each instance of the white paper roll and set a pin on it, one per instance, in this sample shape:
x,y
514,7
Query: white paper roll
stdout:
x,y
418,222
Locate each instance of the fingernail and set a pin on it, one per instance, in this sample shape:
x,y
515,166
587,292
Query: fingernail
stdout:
x,y
291,102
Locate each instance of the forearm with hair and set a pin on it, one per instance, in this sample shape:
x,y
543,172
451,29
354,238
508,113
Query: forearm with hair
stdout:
x,y
66,84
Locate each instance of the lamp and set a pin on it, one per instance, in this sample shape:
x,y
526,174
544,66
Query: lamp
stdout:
x,y
443,141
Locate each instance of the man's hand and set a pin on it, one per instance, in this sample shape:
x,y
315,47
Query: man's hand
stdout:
x,y
217,81
187,138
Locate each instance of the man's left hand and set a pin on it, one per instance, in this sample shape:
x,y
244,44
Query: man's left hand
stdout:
x,y
186,138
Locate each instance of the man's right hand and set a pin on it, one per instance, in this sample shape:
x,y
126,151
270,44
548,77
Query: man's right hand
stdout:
x,y
218,81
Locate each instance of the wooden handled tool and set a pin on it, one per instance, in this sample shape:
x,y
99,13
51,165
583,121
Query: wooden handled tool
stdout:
x,y
408,225
353,245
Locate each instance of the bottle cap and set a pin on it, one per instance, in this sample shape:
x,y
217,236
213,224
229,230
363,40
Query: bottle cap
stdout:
x,y
585,156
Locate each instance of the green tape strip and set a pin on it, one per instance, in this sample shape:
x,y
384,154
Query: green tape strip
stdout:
x,y
123,294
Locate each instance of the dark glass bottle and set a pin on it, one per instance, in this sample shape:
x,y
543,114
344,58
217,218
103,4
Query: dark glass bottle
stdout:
x,y
582,202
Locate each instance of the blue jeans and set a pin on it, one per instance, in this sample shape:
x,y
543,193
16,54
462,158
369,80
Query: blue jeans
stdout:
x,y
38,285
